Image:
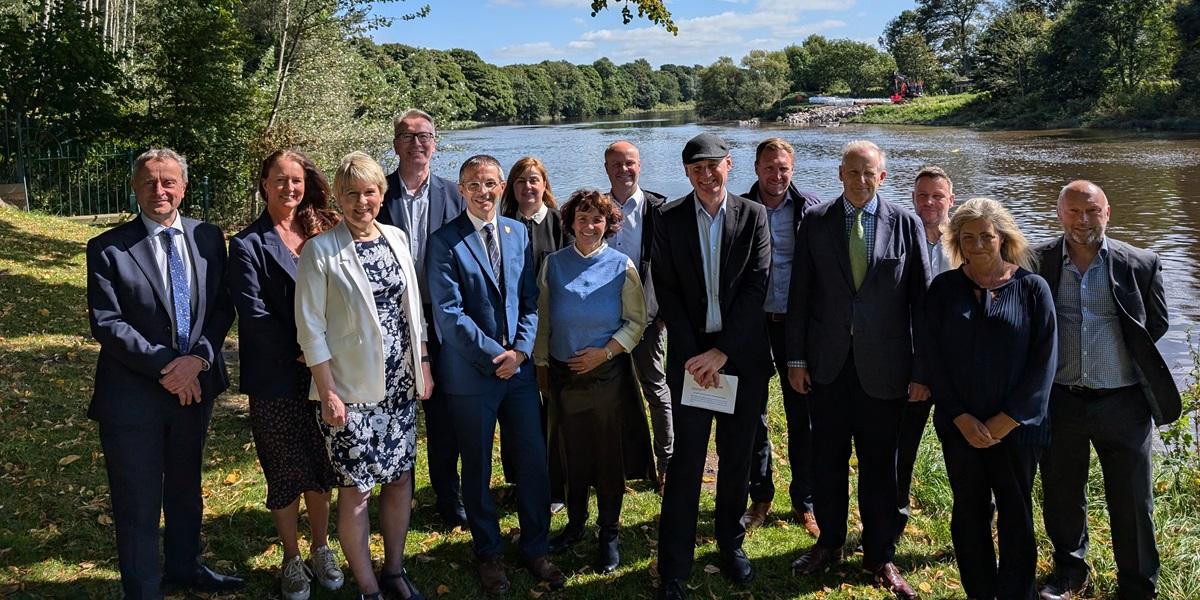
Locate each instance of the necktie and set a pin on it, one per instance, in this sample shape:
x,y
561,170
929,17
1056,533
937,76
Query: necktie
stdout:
x,y
181,296
493,249
858,250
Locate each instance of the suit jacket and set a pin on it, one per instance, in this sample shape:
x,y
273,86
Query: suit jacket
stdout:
x,y
884,314
130,314
475,321
682,296
445,203
1135,277
336,317
262,281
654,203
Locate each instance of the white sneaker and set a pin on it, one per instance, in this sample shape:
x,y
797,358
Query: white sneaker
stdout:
x,y
324,567
293,581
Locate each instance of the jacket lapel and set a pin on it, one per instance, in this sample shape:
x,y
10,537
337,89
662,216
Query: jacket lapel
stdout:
x,y
352,267
841,242
200,276
475,244
733,215
142,250
691,236
437,205
275,247
1050,267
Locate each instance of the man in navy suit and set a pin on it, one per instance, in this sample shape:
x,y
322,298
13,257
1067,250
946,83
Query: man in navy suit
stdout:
x,y
481,281
712,256
857,295
160,312
420,203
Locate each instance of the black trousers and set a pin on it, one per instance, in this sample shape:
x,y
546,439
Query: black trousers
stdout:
x,y
441,443
1004,471
912,427
154,468
1119,427
799,435
843,414
681,498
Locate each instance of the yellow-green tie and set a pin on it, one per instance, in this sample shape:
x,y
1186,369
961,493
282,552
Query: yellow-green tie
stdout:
x,y
858,250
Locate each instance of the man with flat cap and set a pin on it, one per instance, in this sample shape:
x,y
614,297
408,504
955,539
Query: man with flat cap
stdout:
x,y
712,256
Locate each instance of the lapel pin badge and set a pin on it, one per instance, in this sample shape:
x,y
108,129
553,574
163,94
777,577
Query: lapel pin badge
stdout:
x,y
507,229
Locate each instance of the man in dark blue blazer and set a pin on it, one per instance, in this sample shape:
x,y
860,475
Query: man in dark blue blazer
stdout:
x,y
857,295
160,312
420,203
712,253
773,163
482,285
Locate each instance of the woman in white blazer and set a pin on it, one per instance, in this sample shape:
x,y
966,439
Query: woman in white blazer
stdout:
x,y
359,323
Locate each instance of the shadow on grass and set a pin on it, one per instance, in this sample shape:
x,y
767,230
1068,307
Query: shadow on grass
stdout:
x,y
38,251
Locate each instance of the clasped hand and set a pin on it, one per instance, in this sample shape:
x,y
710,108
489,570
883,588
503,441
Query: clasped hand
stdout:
x,y
507,363
706,368
980,434
180,377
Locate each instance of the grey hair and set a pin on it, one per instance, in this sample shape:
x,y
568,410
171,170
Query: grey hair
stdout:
x,y
934,172
477,161
408,114
159,154
865,146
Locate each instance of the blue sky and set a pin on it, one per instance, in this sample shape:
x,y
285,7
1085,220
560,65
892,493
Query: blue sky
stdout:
x,y
525,31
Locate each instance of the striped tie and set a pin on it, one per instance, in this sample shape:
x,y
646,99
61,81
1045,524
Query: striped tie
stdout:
x,y
493,248
181,296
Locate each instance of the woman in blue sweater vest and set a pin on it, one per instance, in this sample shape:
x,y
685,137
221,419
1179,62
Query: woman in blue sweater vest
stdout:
x,y
591,314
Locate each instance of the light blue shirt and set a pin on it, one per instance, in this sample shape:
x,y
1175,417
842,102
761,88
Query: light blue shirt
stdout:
x,y
711,229
781,220
629,239
938,262
418,227
154,230
1091,348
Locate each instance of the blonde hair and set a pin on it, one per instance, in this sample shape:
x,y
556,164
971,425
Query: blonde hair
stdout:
x,y
1014,248
360,167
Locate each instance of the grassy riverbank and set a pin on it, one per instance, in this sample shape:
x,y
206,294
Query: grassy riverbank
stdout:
x,y
56,536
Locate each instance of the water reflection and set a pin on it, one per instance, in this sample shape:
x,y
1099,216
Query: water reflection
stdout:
x,y
1152,180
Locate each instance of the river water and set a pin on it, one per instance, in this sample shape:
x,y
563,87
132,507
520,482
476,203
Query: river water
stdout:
x,y
1152,180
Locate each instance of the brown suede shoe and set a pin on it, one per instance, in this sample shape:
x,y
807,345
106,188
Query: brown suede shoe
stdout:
x,y
756,515
492,578
816,559
809,521
544,570
889,577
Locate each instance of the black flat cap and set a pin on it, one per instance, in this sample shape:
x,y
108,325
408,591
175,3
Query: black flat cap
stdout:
x,y
705,146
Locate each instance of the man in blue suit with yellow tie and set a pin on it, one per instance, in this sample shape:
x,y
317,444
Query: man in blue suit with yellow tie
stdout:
x,y
160,311
484,295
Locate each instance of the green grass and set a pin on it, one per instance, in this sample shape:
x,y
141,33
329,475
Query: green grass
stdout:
x,y
928,110
56,537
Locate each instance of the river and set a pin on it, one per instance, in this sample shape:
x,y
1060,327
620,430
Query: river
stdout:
x,y
1152,180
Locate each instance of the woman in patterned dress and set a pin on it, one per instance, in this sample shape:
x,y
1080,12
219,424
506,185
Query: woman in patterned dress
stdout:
x,y
359,322
262,280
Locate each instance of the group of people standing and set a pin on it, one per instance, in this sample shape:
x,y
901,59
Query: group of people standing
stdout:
x,y
485,301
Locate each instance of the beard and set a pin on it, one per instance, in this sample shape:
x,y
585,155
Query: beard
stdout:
x,y
1091,238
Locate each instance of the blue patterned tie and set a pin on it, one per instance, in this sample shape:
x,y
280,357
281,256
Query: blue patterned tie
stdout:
x,y
181,296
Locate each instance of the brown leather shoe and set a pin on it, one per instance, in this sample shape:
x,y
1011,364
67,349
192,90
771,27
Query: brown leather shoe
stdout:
x,y
889,577
756,515
809,520
816,559
662,482
544,570
492,577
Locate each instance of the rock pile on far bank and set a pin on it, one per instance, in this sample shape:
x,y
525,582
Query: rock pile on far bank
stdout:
x,y
822,115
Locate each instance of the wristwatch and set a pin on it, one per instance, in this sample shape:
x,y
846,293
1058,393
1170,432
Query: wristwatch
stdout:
x,y
607,353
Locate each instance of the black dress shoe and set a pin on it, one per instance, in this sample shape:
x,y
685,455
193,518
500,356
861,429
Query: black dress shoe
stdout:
x,y
672,589
570,535
455,516
205,580
816,559
735,566
608,557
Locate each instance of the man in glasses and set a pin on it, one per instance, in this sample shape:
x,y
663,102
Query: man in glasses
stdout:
x,y
420,202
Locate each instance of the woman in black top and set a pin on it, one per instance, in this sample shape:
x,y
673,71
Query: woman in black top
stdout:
x,y
528,199
993,344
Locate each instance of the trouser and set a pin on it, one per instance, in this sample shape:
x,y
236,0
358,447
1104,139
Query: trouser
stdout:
x,y
1004,471
912,427
843,414
441,444
799,434
1120,428
681,499
515,405
154,468
508,459
648,366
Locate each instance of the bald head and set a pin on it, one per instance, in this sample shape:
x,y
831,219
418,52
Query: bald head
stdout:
x,y
623,163
1083,212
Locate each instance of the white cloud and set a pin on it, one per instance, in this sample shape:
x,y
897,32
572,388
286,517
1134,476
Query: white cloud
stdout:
x,y
534,51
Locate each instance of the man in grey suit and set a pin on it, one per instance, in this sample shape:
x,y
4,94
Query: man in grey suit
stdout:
x,y
857,292
420,203
1111,387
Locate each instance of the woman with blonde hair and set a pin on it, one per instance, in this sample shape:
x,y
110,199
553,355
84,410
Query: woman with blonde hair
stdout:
x,y
993,345
359,322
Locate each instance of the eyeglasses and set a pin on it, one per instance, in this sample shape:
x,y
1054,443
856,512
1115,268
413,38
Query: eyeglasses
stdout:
x,y
475,186
423,137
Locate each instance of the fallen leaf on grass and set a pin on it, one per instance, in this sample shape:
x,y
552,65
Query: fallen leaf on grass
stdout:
x,y
104,519
711,569
925,587
535,593
233,477
68,459
443,589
